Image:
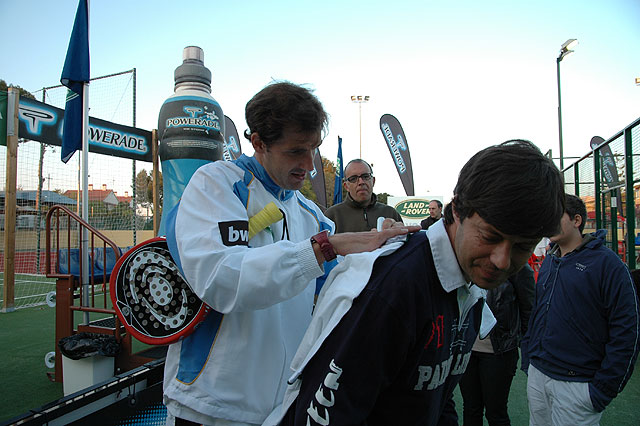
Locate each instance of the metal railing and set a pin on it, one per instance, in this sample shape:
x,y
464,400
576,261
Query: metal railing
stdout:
x,y
64,247
607,179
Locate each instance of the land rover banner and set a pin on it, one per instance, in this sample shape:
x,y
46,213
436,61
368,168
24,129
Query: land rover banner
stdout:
x,y
412,209
399,150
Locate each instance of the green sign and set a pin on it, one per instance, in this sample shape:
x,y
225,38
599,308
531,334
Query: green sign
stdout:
x,y
3,117
413,208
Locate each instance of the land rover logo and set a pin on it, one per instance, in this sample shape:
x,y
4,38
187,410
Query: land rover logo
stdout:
x,y
415,208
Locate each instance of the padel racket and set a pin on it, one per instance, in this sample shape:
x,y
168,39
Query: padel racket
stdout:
x,y
151,297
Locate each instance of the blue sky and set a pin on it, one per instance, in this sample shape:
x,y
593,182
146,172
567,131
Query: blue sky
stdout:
x,y
459,76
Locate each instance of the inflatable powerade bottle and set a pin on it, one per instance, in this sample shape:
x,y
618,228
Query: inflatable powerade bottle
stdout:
x,y
190,128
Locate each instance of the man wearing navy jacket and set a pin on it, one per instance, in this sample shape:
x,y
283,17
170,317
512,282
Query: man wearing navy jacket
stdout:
x,y
583,337
393,330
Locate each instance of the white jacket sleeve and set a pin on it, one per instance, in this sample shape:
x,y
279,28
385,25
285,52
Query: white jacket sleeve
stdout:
x,y
226,275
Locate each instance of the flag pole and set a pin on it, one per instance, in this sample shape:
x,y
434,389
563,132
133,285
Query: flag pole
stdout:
x,y
85,184
76,76
85,198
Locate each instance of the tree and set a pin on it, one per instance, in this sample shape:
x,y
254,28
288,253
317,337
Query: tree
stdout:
x,y
23,93
307,190
144,189
329,177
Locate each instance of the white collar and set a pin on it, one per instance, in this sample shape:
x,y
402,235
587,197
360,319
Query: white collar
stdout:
x,y
451,277
444,258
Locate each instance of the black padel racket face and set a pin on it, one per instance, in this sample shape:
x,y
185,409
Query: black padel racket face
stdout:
x,y
151,297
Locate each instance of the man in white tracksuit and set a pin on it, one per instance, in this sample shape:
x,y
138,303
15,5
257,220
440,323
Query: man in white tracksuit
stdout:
x,y
232,369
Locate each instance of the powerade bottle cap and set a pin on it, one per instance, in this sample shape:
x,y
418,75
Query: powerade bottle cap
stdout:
x,y
192,68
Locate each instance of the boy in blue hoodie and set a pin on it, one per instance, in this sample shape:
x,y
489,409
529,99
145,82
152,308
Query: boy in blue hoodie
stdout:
x,y
583,336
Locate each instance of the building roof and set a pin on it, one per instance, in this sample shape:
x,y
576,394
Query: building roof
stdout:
x,y
105,195
48,197
124,198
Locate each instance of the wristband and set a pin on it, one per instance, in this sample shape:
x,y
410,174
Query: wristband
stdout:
x,y
322,239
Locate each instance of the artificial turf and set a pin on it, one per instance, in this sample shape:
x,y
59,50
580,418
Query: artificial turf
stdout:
x,y
26,335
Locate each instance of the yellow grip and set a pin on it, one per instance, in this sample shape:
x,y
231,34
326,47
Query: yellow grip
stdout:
x,y
265,217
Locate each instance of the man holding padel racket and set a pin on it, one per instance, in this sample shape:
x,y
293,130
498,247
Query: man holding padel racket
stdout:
x,y
259,281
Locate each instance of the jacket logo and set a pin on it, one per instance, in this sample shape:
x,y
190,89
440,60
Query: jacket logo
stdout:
x,y
435,376
580,266
234,233
437,327
320,414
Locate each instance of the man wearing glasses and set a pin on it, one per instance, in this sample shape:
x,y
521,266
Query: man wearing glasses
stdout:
x,y
360,209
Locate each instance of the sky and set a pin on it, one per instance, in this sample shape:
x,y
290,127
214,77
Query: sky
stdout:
x,y
459,76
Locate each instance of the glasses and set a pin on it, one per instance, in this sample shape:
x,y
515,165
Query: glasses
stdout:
x,y
365,177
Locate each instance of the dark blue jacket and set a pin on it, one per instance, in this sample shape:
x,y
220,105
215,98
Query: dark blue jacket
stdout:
x,y
585,324
396,356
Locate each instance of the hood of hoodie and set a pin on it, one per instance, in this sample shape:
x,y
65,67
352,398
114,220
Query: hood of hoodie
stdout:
x,y
590,241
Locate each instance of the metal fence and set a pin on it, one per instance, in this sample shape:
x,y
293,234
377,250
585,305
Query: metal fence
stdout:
x,y
607,179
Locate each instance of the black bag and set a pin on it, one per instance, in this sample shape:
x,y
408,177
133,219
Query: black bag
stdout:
x,y
84,345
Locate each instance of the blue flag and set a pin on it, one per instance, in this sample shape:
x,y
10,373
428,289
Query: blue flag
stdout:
x,y
337,186
74,74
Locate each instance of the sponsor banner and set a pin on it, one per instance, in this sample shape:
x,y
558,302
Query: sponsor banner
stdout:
x,y
399,150
337,184
608,162
44,123
317,180
412,209
232,149
3,117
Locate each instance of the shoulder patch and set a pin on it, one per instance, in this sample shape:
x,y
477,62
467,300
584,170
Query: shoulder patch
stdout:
x,y
234,233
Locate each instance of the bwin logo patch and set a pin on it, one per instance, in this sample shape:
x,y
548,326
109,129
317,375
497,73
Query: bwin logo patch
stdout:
x,y
234,233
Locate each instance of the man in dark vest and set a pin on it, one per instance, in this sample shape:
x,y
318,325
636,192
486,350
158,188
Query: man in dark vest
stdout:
x,y
435,213
360,209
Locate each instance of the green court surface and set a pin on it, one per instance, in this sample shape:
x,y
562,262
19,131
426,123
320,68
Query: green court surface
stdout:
x,y
623,411
26,335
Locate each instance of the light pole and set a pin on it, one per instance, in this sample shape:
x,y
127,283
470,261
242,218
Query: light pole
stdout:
x,y
359,100
565,49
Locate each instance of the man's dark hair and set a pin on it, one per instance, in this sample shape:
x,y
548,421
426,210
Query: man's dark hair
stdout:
x,y
575,206
357,160
283,105
513,187
438,202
